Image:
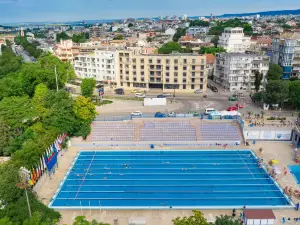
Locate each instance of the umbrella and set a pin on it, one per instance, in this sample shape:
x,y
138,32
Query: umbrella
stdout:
x,y
274,161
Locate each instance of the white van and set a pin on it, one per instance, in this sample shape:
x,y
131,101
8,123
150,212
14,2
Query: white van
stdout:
x,y
209,110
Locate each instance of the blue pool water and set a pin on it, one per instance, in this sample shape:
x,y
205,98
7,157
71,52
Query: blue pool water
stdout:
x,y
164,179
295,170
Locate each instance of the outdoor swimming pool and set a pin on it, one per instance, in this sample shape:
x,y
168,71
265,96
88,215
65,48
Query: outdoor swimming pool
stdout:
x,y
157,179
295,170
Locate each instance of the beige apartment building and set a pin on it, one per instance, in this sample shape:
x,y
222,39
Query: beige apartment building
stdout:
x,y
181,71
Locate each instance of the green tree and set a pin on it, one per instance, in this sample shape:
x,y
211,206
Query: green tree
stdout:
x,y
149,39
62,36
277,91
219,26
169,48
258,79
295,93
258,96
38,100
81,220
179,33
6,221
275,72
200,23
85,109
211,50
215,40
227,220
130,25
79,38
197,219
87,87
119,37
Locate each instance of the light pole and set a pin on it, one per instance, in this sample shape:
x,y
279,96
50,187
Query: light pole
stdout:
x,y
23,184
56,78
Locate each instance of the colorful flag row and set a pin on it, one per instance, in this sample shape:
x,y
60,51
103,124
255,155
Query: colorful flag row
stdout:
x,y
38,170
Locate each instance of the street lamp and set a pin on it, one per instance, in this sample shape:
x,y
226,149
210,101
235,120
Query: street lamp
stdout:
x,y
23,184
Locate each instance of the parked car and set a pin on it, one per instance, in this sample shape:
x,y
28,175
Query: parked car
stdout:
x,y
232,108
232,98
166,95
137,113
159,115
239,105
198,91
119,91
209,110
161,96
194,113
214,89
139,95
209,85
172,114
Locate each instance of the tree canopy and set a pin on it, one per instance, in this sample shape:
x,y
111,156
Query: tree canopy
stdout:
x,y
196,219
87,87
32,114
119,37
277,91
179,33
295,93
80,38
62,36
199,23
219,26
275,72
29,47
211,50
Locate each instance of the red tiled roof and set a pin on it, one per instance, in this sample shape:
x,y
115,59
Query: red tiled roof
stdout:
x,y
210,58
259,214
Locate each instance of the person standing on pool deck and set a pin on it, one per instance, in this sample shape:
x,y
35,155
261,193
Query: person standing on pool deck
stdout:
x,y
297,206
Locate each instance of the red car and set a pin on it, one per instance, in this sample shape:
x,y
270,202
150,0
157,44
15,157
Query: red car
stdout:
x,y
232,108
240,106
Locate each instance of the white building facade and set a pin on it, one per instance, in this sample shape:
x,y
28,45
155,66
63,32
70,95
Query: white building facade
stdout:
x,y
100,65
233,40
236,71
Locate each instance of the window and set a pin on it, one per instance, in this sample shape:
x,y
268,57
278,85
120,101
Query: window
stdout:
x,y
134,67
167,80
193,80
142,67
202,61
184,74
175,80
202,67
175,61
142,73
121,83
167,61
158,61
193,74
167,68
142,79
184,86
175,74
185,61
184,68
175,67
167,74
158,79
201,74
134,60
184,80
150,60
128,84
134,79
142,60
134,73
193,67
192,86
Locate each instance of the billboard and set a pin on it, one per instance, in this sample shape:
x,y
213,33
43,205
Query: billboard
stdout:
x,y
254,134
283,135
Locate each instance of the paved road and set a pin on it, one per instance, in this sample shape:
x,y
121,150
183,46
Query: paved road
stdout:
x,y
20,51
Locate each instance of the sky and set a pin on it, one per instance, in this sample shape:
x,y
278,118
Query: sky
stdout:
x,y
12,11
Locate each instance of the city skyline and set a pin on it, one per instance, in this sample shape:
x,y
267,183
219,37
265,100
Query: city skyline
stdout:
x,y
13,11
